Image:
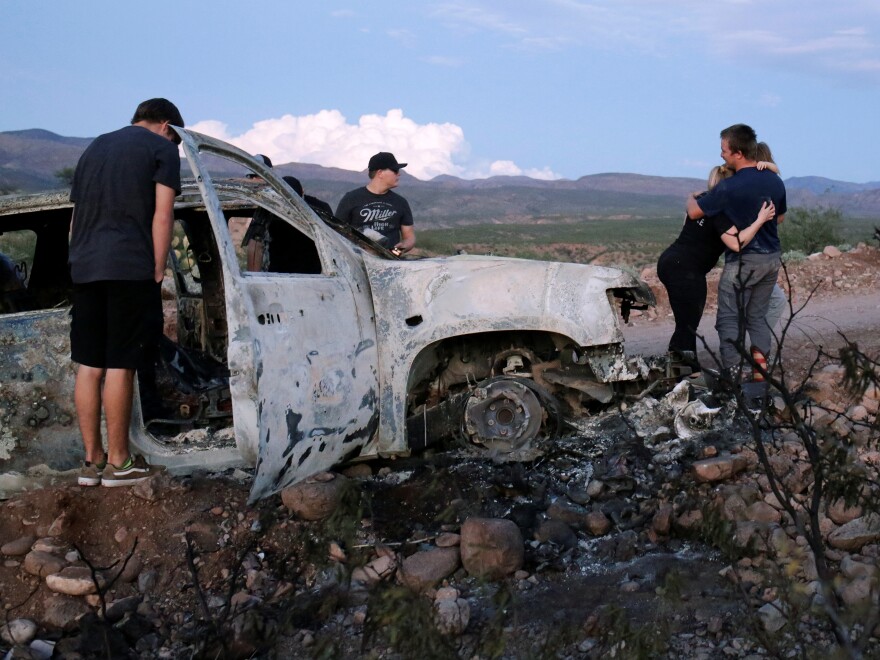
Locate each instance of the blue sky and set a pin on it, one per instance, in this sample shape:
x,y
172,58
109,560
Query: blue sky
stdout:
x,y
553,88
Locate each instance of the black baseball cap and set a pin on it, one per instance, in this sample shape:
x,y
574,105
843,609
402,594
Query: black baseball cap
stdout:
x,y
264,160
384,160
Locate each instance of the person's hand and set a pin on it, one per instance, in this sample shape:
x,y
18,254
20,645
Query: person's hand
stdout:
x,y
767,212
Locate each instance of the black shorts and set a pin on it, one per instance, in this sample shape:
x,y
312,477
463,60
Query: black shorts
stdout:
x,y
115,324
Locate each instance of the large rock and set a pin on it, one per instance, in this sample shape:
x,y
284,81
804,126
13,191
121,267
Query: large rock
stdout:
x,y
661,523
18,632
831,251
451,613
53,546
18,547
763,513
856,533
316,497
377,570
73,581
42,564
859,593
856,569
567,512
556,531
423,570
63,612
840,513
719,468
598,523
772,616
491,548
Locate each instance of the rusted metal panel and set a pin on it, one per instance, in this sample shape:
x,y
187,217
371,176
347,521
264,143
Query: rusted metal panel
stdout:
x,y
37,417
420,302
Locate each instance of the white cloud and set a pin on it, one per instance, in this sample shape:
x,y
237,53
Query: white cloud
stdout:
x,y
327,138
504,168
821,38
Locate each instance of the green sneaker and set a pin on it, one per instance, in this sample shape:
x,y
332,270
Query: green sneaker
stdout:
x,y
90,473
133,471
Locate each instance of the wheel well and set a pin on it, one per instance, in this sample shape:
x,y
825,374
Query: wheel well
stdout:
x,y
451,364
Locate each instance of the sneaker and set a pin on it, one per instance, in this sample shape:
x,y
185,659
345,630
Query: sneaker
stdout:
x,y
133,471
90,473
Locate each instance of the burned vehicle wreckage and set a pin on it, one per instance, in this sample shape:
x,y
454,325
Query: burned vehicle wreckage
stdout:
x,y
351,353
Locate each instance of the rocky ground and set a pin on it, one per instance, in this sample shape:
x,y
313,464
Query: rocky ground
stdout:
x,y
649,531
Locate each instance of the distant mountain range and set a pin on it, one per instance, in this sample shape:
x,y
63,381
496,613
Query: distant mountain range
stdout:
x,y
29,160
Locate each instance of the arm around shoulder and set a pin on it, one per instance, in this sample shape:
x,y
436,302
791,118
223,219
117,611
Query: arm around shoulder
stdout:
x,y
693,209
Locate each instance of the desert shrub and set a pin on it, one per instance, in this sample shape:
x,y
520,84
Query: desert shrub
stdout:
x,y
810,230
65,175
793,256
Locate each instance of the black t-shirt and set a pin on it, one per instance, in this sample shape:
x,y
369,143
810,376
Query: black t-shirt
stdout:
x,y
385,213
699,242
740,197
114,191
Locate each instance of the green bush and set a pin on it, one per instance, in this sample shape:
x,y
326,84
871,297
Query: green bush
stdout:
x,y
810,230
793,256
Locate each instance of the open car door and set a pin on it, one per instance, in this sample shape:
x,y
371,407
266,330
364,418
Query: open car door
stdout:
x,y
301,346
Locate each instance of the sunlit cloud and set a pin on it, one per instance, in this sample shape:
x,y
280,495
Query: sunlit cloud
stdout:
x,y
509,168
327,138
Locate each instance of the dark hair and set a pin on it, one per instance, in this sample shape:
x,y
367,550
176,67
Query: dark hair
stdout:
x,y
158,110
741,138
294,183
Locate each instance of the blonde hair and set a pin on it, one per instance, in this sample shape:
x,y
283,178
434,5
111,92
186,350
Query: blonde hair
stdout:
x,y
718,174
763,152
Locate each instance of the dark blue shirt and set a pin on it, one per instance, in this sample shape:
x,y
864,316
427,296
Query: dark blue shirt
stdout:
x,y
740,198
114,191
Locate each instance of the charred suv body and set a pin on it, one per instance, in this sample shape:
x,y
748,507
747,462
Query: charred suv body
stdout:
x,y
350,354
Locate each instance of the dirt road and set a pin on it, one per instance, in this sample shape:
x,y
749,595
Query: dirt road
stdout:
x,y
821,322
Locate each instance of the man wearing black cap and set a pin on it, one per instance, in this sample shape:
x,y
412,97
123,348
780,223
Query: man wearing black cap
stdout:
x,y
379,211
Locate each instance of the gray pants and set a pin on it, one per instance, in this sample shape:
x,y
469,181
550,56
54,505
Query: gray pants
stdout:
x,y
778,305
744,292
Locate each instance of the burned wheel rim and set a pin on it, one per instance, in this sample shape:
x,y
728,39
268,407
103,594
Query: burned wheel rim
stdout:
x,y
507,414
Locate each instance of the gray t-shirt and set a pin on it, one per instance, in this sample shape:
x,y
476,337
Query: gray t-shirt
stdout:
x,y
114,191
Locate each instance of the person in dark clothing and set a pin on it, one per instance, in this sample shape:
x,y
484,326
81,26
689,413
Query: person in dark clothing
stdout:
x,y
682,270
683,266
377,210
753,256
123,192
319,206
